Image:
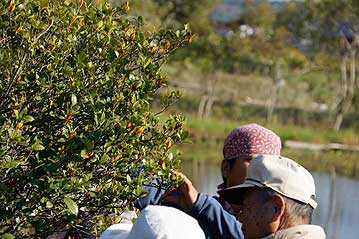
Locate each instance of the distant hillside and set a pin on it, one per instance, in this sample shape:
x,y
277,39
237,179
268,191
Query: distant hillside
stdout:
x,y
231,10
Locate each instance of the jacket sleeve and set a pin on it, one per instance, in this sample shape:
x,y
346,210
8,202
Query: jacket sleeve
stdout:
x,y
153,197
214,220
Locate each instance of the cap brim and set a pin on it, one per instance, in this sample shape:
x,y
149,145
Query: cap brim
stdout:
x,y
118,231
236,193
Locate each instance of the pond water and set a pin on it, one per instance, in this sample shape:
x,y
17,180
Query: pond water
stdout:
x,y
338,197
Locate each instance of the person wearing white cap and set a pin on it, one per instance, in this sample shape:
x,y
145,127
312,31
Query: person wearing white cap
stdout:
x,y
157,222
277,200
213,213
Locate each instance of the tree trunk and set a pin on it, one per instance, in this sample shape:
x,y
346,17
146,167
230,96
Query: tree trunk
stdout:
x,y
347,86
278,78
347,89
342,94
352,77
201,106
212,93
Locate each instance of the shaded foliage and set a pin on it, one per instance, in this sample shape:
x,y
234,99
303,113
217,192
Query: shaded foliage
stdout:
x,y
78,137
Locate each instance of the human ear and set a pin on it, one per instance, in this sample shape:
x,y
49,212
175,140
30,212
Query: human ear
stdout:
x,y
225,168
278,207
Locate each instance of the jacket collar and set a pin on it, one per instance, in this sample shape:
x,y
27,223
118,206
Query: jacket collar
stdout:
x,y
299,232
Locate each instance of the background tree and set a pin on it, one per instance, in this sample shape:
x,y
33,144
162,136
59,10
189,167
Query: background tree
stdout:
x,y
333,35
206,53
268,50
78,136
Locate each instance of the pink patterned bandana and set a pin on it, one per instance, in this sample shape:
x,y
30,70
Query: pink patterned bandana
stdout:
x,y
251,139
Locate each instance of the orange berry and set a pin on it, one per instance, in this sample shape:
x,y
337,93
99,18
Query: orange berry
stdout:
x,y
153,50
90,154
130,125
140,130
52,47
73,19
116,158
19,29
99,188
115,219
11,5
132,36
168,143
168,44
19,125
18,78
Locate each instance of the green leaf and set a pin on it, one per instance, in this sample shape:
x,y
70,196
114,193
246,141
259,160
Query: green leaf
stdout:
x,y
11,164
148,61
16,112
140,20
72,206
100,24
73,99
44,3
84,154
133,100
184,135
128,178
7,236
91,101
28,118
140,192
186,27
37,146
23,112
49,204
103,118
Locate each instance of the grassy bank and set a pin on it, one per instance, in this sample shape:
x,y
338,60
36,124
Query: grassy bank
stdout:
x,y
207,137
214,128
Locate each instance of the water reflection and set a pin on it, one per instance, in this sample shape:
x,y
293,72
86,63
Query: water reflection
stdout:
x,y
338,198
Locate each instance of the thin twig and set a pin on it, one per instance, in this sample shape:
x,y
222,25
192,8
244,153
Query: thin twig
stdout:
x,y
43,32
18,71
164,108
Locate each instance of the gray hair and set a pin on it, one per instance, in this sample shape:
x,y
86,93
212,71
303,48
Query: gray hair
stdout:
x,y
295,212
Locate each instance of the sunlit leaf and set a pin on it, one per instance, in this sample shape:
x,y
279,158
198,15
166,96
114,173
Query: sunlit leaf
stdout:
x,y
73,99
71,205
37,147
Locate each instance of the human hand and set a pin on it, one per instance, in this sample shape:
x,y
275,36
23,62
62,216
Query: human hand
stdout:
x,y
185,196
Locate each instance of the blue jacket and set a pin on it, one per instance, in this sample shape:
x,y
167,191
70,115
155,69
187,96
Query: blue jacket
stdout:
x,y
215,221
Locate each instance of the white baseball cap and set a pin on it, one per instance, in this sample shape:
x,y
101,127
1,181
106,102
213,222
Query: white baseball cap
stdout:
x,y
157,222
278,173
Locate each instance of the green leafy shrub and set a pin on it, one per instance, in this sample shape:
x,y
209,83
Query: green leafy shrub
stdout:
x,y
78,137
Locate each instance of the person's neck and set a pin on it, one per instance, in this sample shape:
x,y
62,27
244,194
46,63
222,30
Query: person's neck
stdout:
x,y
285,224
312,231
